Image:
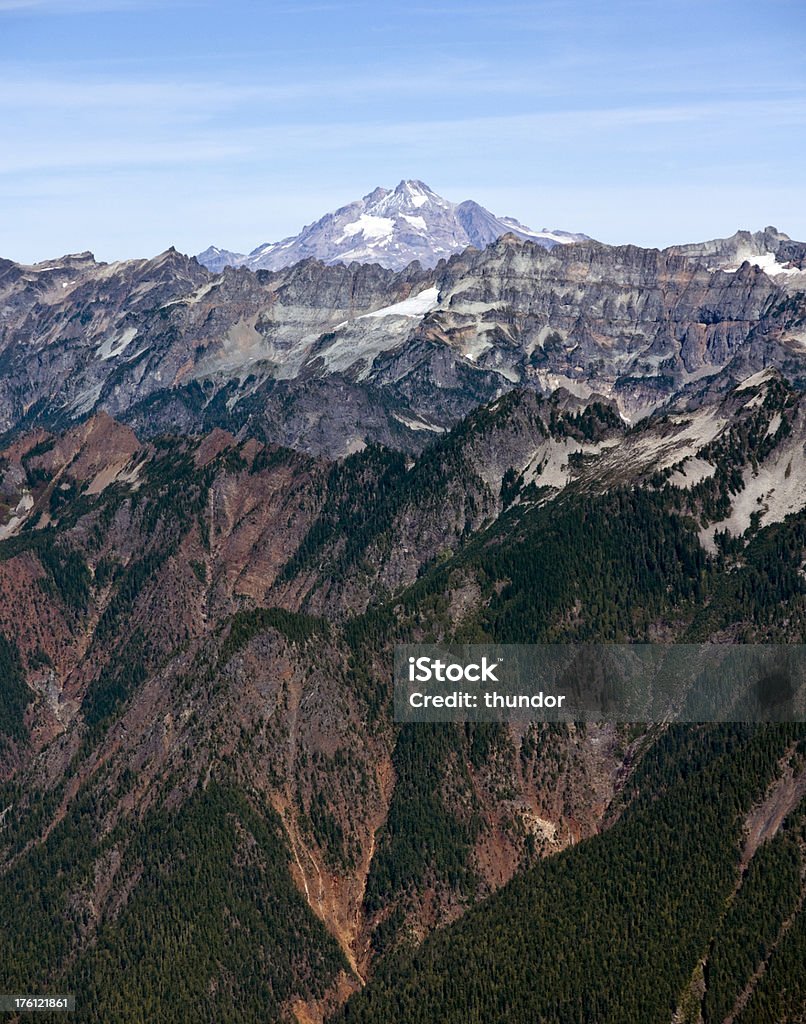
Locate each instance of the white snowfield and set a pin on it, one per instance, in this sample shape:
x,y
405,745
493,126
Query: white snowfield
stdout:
x,y
416,222
369,227
557,237
767,262
415,305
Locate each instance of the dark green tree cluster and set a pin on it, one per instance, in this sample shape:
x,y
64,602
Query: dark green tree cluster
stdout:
x,y
246,625
431,825
611,929
208,924
622,560
67,576
780,995
14,693
767,897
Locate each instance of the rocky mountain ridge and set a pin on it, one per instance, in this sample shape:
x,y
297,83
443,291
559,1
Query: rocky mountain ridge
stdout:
x,y
330,358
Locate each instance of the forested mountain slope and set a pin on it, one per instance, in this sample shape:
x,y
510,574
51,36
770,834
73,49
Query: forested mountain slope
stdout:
x,y
202,787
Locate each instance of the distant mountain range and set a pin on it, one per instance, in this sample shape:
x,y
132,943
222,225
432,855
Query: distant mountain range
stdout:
x,y
329,358
389,227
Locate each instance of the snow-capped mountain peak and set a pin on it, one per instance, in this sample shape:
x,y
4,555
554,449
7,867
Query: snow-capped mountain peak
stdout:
x,y
408,197
391,227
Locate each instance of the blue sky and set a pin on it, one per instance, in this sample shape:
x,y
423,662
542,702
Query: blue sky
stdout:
x,y
132,125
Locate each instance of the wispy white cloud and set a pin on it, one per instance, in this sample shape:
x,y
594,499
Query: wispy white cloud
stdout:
x,y
86,6
556,126
556,136
452,77
121,152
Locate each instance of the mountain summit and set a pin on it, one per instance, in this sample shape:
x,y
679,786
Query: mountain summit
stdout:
x,y
391,227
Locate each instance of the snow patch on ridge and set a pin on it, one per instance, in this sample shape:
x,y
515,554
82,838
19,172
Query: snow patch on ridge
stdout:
x,y
766,262
369,227
414,305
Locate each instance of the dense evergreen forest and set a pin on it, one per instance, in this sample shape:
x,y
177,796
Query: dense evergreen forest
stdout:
x,y
612,929
211,898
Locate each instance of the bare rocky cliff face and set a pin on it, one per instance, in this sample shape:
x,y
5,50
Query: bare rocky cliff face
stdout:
x,y
330,358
